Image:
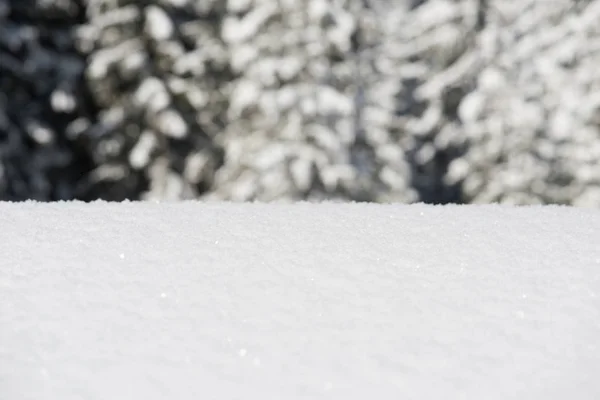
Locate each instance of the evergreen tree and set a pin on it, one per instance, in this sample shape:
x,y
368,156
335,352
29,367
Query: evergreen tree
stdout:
x,y
533,120
155,71
312,112
40,100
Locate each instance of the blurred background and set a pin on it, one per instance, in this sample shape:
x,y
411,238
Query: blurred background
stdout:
x,y
436,101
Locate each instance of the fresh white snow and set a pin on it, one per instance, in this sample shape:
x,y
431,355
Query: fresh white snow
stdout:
x,y
194,300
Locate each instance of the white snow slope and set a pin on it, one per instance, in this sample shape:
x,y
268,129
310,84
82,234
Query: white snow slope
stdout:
x,y
192,300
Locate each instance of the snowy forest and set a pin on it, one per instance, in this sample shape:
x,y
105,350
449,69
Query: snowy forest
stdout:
x,y
435,101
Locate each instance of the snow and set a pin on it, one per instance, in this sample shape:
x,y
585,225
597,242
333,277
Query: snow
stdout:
x,y
195,300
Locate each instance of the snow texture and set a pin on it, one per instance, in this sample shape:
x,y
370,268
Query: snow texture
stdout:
x,y
200,300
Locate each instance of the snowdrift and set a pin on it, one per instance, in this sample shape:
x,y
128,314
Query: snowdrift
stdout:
x,y
331,301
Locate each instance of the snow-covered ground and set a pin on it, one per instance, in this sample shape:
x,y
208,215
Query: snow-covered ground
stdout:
x,y
191,300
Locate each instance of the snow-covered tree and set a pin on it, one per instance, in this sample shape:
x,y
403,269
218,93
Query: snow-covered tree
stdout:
x,y
369,100
155,71
533,119
435,56
311,113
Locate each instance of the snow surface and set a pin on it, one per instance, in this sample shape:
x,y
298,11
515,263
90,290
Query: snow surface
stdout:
x,y
331,301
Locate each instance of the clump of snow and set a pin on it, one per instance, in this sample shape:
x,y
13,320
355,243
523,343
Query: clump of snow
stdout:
x,y
196,300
